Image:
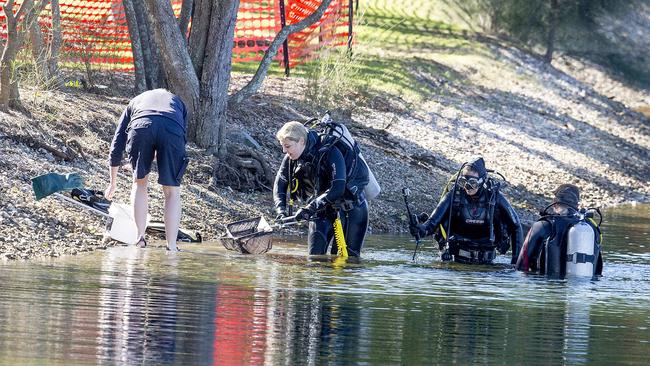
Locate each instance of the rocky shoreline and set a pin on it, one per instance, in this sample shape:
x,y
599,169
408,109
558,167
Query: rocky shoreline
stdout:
x,y
539,127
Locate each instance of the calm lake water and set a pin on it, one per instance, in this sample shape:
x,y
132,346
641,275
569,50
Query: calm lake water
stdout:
x,y
209,306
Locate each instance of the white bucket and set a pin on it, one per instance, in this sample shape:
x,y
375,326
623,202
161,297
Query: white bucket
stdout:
x,y
121,225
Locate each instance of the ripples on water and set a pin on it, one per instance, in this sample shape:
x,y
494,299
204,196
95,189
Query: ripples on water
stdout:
x,y
208,306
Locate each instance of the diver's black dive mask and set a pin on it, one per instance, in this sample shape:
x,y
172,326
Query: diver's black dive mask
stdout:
x,y
470,182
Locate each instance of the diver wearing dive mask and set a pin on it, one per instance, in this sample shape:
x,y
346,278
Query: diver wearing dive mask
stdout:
x,y
474,219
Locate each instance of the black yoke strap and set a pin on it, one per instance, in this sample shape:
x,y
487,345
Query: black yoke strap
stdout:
x,y
580,258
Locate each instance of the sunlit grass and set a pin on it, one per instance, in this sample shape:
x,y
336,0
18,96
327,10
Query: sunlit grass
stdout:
x,y
396,43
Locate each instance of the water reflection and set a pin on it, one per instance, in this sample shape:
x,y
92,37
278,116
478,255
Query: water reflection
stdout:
x,y
137,312
626,234
207,306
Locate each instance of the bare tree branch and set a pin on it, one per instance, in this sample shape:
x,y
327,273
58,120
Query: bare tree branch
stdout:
x,y
255,83
136,46
57,41
9,94
176,63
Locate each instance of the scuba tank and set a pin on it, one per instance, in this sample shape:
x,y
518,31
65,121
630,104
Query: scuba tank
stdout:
x,y
572,251
580,250
372,189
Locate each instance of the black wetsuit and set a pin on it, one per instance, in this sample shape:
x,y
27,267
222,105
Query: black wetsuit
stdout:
x,y
532,255
469,239
322,173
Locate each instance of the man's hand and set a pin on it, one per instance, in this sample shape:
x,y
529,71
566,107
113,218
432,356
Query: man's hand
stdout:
x,y
112,179
109,191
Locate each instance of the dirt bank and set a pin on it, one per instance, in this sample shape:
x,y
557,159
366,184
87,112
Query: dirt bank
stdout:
x,y
538,126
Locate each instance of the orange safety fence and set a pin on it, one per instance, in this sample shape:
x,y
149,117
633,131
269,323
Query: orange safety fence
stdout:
x,y
96,31
330,30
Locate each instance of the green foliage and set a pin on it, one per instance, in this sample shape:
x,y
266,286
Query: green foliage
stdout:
x,y
385,32
529,21
579,26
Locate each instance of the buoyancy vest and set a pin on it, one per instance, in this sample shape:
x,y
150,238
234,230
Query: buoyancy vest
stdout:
x,y
470,212
478,213
357,171
308,172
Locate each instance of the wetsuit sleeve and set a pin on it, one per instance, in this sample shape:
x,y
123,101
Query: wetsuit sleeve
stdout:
x,y
514,226
336,170
280,186
119,139
439,214
532,246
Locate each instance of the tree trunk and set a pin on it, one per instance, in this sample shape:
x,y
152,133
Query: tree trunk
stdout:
x,y
14,95
215,77
176,63
495,17
148,44
136,46
8,53
56,43
199,33
27,14
550,41
199,70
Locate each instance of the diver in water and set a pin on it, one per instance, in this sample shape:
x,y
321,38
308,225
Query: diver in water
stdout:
x,y
473,220
330,180
565,240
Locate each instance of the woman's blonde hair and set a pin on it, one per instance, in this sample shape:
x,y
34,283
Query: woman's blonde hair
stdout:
x,y
293,131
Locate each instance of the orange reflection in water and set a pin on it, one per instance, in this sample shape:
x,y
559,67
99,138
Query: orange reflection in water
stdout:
x,y
240,326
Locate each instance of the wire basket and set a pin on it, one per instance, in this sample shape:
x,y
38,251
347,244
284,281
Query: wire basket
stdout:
x,y
250,236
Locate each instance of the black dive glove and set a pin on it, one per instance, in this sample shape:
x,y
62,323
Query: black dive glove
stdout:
x,y
308,211
445,256
418,230
304,214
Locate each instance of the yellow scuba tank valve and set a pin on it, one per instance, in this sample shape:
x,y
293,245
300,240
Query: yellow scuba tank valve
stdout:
x,y
340,238
600,236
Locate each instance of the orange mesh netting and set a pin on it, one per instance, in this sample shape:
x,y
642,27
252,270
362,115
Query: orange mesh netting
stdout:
x,y
96,32
330,30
